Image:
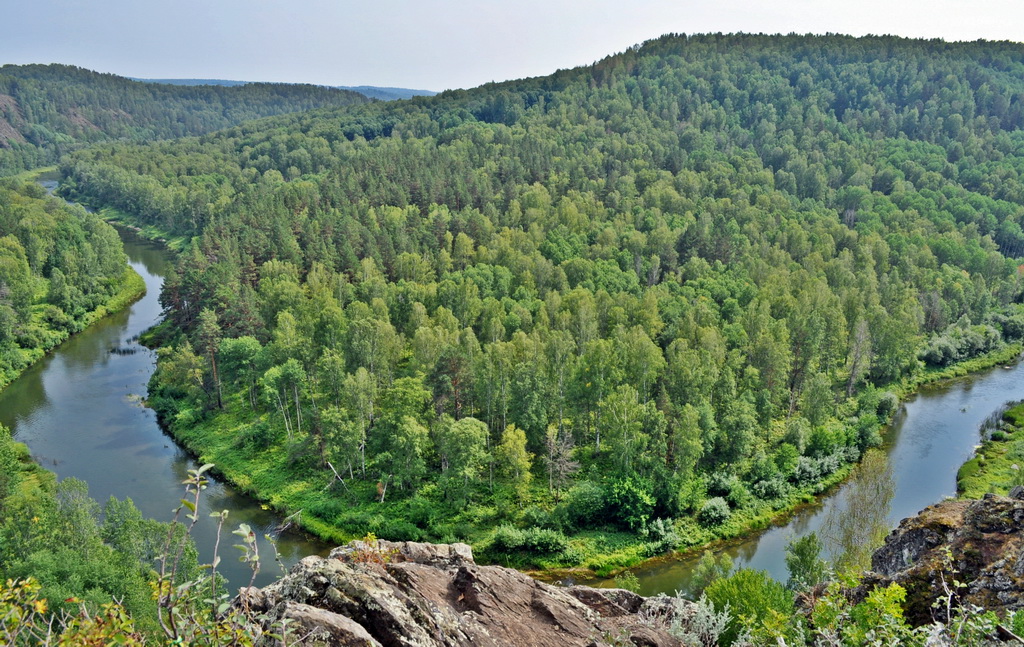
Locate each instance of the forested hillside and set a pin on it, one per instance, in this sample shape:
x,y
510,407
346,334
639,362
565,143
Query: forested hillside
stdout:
x,y
48,110
60,269
586,317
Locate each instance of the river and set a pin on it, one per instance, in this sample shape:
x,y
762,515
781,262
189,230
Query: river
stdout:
x,y
80,412
932,435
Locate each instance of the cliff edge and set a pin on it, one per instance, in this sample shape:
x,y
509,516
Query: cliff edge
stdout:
x,y
970,550
393,594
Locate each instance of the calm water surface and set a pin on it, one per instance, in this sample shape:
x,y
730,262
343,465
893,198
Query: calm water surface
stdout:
x,y
80,412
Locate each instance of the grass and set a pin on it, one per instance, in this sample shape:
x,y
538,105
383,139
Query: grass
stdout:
x,y
279,478
149,232
992,468
276,477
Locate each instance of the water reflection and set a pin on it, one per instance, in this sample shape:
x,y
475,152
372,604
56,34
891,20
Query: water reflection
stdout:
x,y
79,411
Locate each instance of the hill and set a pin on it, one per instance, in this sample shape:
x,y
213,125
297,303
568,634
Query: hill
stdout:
x,y
387,93
370,91
48,110
581,319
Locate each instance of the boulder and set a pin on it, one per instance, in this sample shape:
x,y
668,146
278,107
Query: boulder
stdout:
x,y
409,594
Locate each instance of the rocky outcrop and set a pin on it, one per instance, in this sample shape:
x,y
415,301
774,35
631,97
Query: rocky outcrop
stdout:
x,y
976,543
406,594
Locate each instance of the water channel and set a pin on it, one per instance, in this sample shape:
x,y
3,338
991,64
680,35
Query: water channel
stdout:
x,y
80,412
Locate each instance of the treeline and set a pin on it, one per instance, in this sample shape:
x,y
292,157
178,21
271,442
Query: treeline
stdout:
x,y
60,268
48,110
675,284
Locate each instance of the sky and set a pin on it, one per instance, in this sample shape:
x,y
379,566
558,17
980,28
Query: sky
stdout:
x,y
433,44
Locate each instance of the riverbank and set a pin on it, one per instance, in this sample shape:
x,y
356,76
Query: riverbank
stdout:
x,y
49,331
998,464
269,473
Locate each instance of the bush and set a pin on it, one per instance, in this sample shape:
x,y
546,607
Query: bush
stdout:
x,y
584,506
330,510
399,530
510,542
631,502
539,517
758,604
770,489
354,523
663,535
739,496
715,512
421,512
887,405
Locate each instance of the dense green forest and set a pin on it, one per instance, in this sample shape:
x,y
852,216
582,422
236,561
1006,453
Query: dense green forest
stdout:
x,y
48,110
61,268
584,318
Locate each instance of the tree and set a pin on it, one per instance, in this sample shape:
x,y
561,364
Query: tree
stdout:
x,y
240,363
803,560
462,446
559,459
208,337
514,462
757,603
401,460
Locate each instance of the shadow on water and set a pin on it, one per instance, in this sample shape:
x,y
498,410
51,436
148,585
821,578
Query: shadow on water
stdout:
x,y
80,410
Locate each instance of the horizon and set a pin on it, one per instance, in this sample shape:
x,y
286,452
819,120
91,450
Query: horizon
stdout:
x,y
438,44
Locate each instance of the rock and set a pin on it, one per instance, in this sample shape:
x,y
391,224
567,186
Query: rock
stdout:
x,y
979,543
405,594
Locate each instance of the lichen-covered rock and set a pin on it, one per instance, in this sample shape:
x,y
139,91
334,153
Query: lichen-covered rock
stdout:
x,y
408,594
976,543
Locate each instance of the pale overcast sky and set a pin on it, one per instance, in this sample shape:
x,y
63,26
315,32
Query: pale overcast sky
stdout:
x,y
433,44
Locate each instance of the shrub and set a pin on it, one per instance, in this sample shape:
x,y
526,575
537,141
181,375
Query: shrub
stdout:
x,y
707,570
715,512
887,405
400,530
758,604
662,533
739,496
420,511
631,502
511,543
330,510
770,489
539,517
628,580
584,506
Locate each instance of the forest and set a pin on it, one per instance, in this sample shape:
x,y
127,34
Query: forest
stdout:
x,y
586,318
61,268
49,110
578,320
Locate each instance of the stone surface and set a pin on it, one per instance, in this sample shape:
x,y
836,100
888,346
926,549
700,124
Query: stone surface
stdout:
x,y
407,594
978,543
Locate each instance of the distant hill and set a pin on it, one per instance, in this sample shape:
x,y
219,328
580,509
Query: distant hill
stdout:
x,y
371,91
222,82
387,94
48,110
